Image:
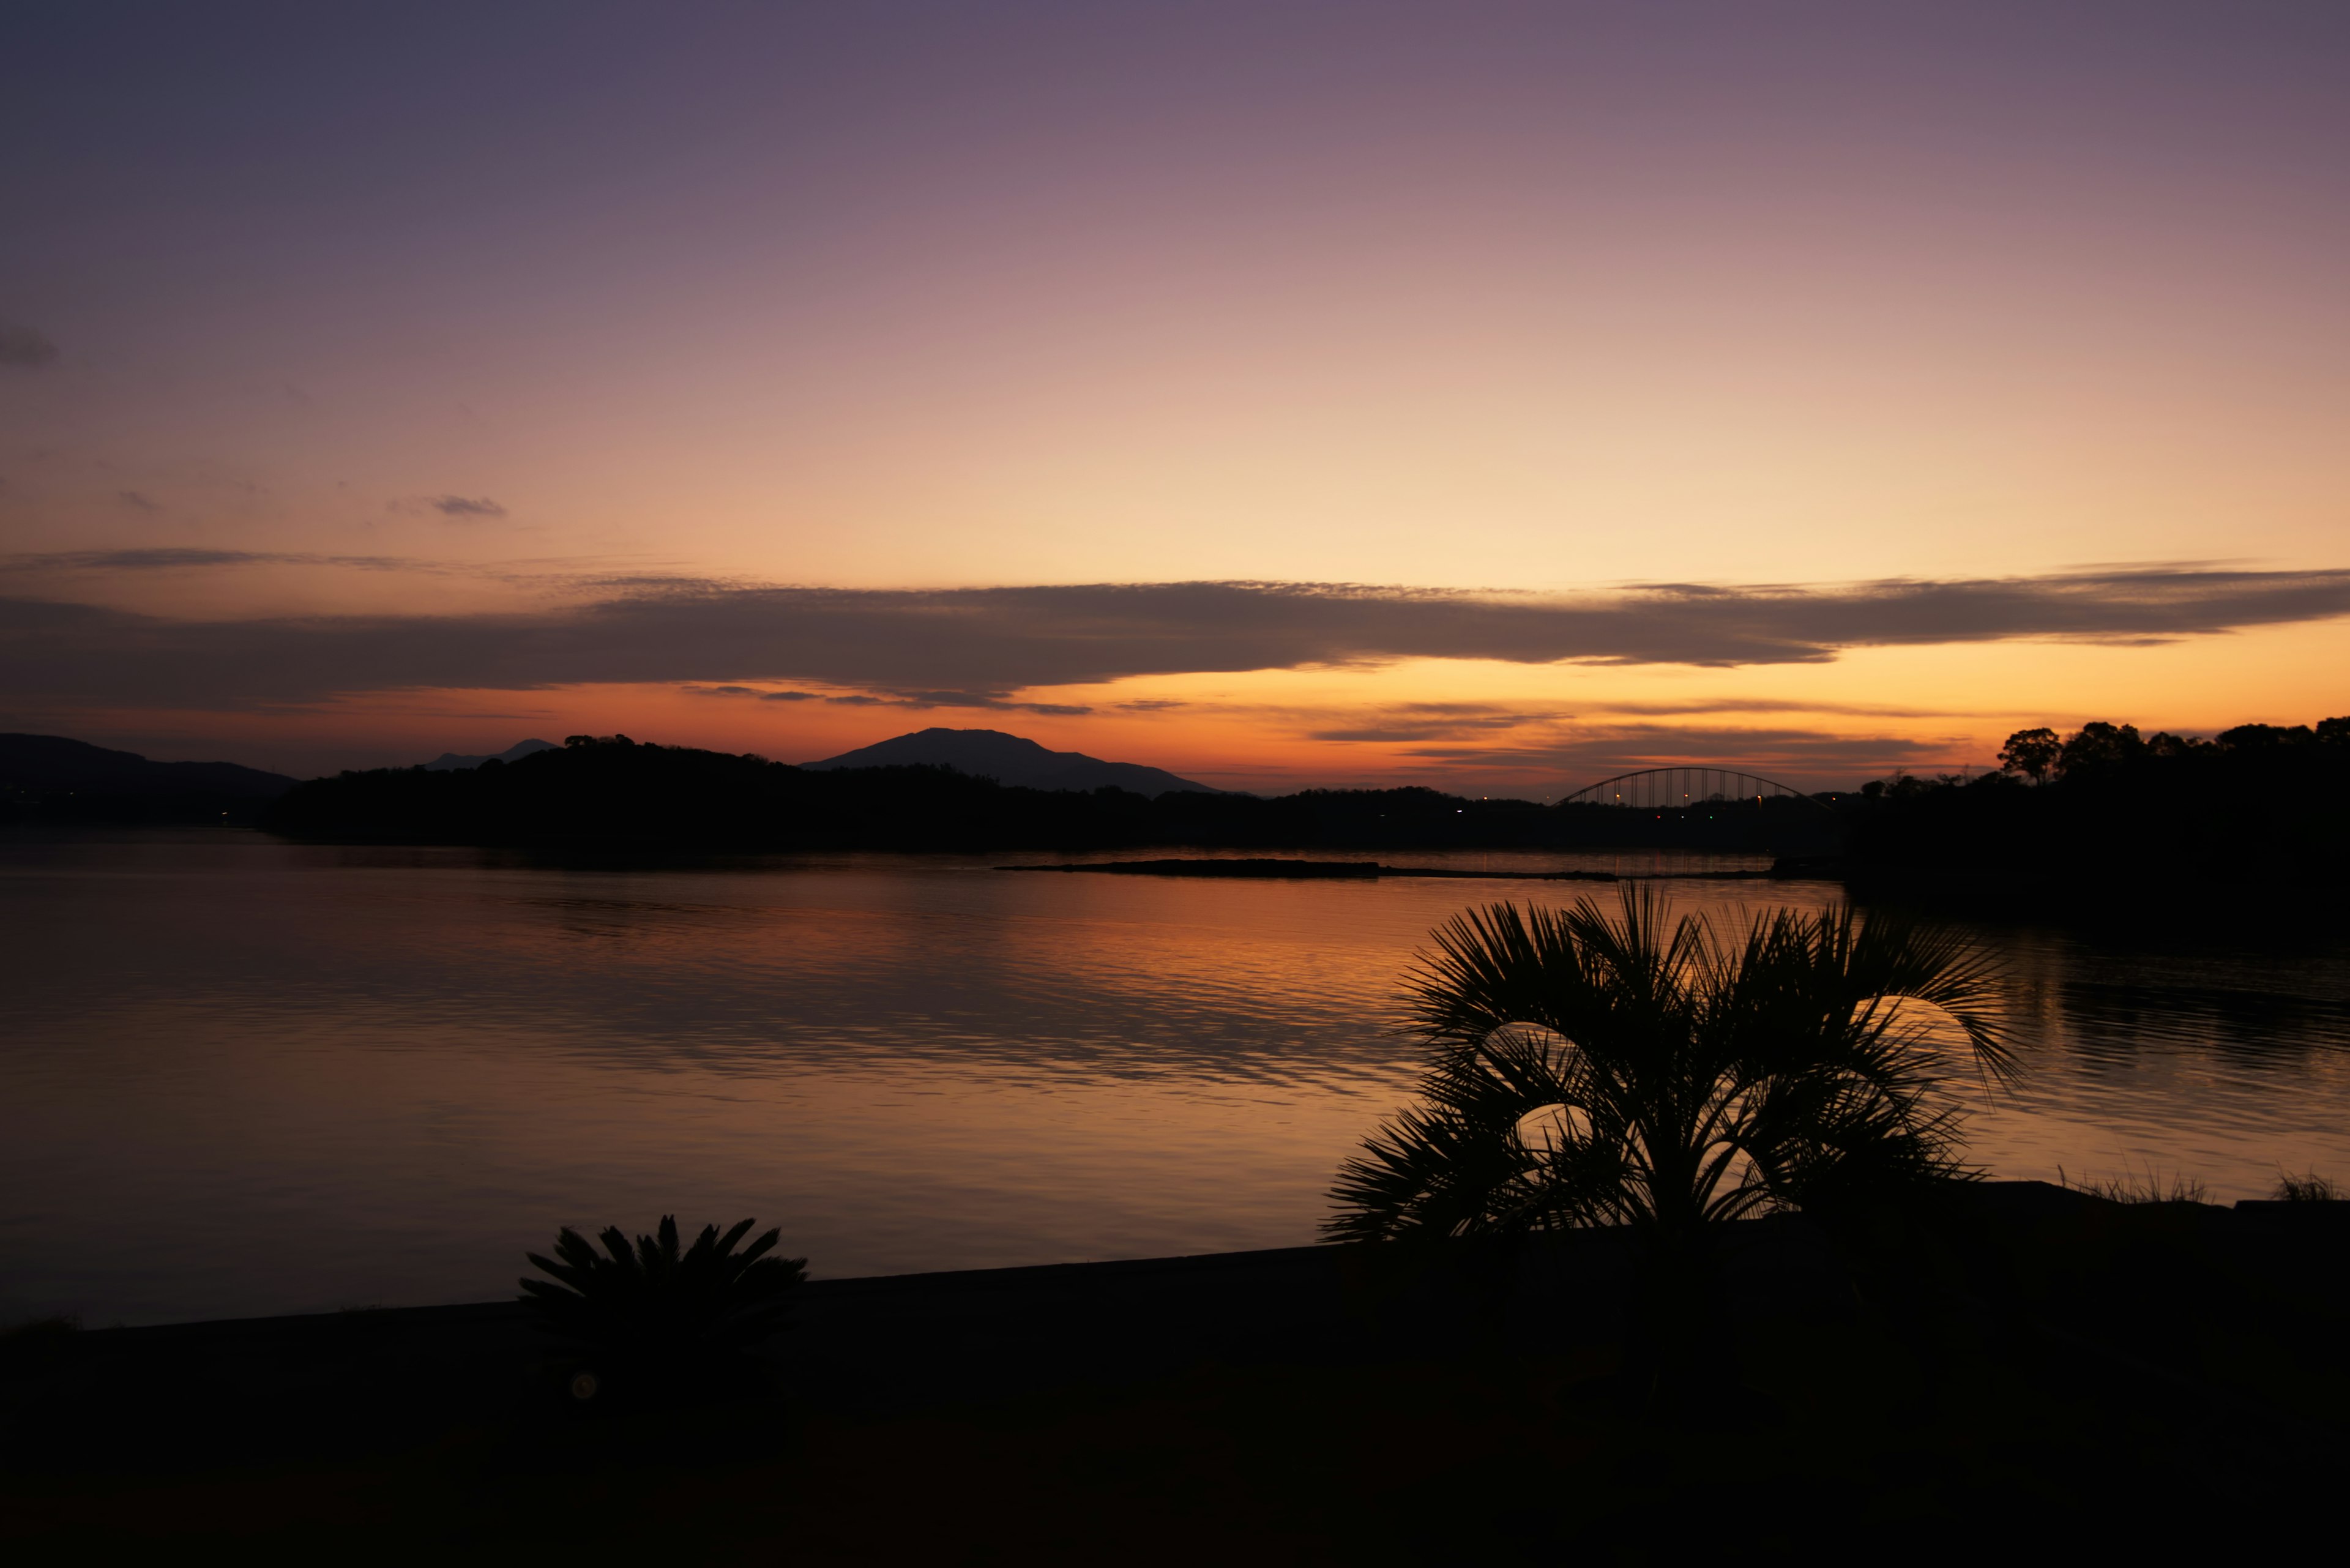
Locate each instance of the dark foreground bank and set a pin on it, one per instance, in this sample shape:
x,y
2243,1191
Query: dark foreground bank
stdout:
x,y
2031,1359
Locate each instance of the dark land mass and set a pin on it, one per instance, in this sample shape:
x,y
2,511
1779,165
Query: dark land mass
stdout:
x,y
615,794
1010,760
1372,870
2265,809
2113,813
1304,870
2021,1367
50,778
2101,817
447,761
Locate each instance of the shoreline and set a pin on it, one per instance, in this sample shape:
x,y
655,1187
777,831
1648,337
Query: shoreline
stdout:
x,y
2007,1198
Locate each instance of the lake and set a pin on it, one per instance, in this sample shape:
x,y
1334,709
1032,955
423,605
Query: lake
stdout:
x,y
238,1076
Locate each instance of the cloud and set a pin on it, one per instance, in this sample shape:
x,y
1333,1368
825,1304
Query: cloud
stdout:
x,y
1462,741
1589,753
1436,722
465,507
137,501
899,699
1775,705
987,702
22,347
982,647
178,557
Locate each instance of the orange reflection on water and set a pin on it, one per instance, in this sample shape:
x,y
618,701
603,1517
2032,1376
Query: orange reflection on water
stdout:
x,y
246,1078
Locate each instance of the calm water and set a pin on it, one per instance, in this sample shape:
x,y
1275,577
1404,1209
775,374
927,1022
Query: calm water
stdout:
x,y
240,1077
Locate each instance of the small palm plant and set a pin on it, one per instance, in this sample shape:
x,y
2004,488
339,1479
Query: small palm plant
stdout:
x,y
1669,1074
659,1317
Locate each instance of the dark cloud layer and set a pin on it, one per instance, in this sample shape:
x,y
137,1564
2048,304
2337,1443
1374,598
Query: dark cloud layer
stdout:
x,y
1411,722
167,558
463,507
901,699
1590,751
980,646
24,347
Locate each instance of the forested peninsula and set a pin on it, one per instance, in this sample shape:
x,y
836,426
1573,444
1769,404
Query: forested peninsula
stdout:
x,y
2260,803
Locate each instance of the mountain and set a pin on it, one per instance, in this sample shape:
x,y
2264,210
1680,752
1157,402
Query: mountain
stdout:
x,y
46,763
608,794
513,753
52,777
1009,760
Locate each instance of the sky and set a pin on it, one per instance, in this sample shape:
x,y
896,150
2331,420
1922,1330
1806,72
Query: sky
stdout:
x,y
1489,396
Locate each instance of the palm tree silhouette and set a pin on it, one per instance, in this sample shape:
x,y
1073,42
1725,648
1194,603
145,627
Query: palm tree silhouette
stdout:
x,y
1669,1074
659,1318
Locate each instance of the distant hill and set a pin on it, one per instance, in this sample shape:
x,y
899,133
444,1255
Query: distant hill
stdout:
x,y
50,776
612,795
513,753
53,762
1010,760
615,794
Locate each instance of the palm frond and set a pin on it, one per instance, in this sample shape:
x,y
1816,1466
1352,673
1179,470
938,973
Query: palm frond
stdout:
x,y
652,1300
1708,1072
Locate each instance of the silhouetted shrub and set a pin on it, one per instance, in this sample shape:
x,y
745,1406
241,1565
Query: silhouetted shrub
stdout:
x,y
2310,1189
2147,1189
1670,1074
658,1321
39,1331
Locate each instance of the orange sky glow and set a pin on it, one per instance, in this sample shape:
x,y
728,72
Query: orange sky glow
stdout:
x,y
1547,309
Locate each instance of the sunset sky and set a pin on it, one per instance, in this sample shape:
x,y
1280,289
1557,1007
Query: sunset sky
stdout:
x,y
1495,396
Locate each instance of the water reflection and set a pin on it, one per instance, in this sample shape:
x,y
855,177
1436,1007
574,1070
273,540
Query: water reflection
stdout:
x,y
240,1077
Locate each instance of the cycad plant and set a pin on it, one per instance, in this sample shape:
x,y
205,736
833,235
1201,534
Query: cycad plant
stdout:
x,y
658,1317
1669,1074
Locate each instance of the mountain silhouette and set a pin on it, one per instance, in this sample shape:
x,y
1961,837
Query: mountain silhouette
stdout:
x,y
53,762
513,753
1010,760
50,778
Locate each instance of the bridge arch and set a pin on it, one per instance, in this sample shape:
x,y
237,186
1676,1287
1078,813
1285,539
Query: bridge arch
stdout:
x,y
1659,789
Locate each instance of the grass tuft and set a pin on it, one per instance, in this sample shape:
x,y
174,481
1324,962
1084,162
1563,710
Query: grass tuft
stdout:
x,y
2130,1188
2310,1189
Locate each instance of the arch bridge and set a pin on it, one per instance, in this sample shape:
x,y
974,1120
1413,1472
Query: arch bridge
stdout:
x,y
1659,789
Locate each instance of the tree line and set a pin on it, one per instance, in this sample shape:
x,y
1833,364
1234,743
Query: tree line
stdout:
x,y
2104,805
614,792
2107,804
